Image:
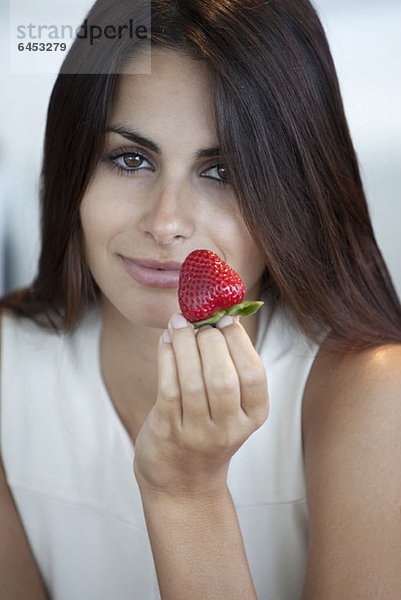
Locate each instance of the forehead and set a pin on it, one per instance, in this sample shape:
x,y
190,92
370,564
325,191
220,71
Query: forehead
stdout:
x,y
176,92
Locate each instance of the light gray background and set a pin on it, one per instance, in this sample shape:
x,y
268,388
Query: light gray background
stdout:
x,y
366,45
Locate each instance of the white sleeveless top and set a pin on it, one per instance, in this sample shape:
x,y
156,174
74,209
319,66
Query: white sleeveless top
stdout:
x,y
68,461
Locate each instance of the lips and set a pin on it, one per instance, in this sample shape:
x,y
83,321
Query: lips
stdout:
x,y
156,264
153,273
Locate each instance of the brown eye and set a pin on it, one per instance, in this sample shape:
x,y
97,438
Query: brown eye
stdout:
x,y
219,173
222,171
133,160
130,163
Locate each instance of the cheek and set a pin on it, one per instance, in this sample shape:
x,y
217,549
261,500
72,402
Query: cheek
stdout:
x,y
238,248
99,229
97,232
251,263
94,226
101,217
253,267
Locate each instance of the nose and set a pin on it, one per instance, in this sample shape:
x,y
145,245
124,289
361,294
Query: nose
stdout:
x,y
169,217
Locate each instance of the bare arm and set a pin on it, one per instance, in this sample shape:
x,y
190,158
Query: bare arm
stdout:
x,y
352,434
19,576
198,548
212,396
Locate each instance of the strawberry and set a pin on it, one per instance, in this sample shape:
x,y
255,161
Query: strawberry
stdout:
x,y
208,289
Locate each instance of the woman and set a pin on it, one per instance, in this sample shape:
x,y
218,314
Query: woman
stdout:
x,y
236,142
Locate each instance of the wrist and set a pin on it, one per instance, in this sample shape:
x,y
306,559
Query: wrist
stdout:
x,y
199,487
209,496
201,529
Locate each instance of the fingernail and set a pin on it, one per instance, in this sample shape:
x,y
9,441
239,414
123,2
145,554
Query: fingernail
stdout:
x,y
202,327
178,321
166,337
225,321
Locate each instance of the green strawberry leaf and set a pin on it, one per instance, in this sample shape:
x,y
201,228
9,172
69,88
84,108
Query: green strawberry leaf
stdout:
x,y
244,309
211,320
240,310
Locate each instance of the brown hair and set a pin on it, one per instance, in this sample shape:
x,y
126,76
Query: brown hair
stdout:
x,y
284,136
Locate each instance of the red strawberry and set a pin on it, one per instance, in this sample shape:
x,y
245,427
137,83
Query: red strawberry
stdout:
x,y
209,288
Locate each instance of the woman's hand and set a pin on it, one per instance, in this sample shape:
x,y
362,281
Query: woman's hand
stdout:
x,y
212,395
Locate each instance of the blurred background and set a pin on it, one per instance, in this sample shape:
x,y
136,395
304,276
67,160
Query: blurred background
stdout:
x,y
366,45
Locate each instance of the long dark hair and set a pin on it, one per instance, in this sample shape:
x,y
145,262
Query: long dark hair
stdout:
x,y
284,136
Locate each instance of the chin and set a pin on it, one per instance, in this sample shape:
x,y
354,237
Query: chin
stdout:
x,y
146,311
154,315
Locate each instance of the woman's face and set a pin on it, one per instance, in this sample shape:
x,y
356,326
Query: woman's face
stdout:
x,y
160,191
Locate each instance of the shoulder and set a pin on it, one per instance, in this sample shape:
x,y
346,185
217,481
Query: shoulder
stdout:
x,y
352,448
348,384
352,408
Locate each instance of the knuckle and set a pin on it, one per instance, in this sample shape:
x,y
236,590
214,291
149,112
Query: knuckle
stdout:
x,y
159,427
192,387
260,414
194,440
227,439
255,376
195,437
220,439
169,392
223,384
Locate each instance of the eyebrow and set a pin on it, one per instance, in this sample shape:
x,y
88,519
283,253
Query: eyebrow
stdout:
x,y
136,138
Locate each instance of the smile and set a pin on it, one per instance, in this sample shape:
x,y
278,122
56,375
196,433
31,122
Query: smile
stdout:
x,y
153,274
